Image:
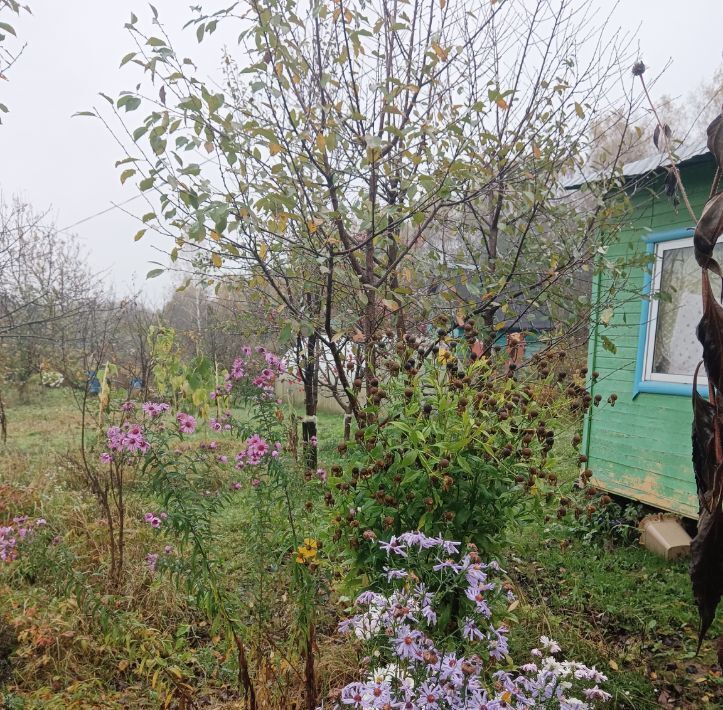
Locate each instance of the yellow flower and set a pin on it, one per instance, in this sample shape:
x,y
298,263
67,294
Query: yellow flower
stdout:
x,y
443,355
307,551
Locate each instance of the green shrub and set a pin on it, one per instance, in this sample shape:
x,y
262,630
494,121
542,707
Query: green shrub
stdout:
x,y
448,449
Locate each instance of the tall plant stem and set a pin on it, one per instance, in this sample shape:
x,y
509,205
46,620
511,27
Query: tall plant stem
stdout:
x,y
669,153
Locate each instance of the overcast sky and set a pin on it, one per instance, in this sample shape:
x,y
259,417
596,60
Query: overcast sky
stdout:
x,y
74,47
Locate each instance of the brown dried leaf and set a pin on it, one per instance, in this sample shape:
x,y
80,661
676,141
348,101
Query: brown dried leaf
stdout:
x,y
715,138
709,228
706,566
704,461
710,334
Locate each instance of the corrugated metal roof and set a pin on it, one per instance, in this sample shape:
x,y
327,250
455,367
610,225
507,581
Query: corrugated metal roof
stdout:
x,y
684,152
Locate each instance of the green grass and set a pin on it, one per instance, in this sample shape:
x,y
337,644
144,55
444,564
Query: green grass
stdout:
x,y
615,606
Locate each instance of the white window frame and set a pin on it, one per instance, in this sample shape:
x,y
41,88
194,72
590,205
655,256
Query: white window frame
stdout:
x,y
648,375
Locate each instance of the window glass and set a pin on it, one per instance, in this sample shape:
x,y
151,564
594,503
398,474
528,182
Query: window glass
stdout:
x,y
675,315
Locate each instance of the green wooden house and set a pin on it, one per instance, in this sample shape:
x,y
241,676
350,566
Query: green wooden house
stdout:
x,y
640,448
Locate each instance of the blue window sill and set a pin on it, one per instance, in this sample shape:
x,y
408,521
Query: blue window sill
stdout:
x,y
673,388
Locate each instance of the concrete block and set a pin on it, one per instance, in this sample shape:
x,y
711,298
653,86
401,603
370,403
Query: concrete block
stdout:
x,y
664,536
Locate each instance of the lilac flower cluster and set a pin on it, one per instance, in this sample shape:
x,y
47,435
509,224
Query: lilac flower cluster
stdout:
x,y
155,521
222,423
128,438
239,369
11,535
155,409
255,450
425,667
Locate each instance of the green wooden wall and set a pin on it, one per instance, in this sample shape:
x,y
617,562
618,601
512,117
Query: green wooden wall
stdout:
x,y
640,448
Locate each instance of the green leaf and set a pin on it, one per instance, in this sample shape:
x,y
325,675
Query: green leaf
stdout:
x,y
84,113
146,183
579,110
127,58
8,28
139,235
126,174
608,344
155,42
129,102
153,273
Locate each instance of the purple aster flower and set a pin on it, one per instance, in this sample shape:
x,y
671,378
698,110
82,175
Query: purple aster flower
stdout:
x,y
470,630
393,546
406,644
151,561
596,694
428,696
352,694
395,573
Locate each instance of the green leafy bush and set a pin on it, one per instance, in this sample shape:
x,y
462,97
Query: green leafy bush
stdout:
x,y
448,449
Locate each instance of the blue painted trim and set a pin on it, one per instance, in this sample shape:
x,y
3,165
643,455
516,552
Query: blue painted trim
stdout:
x,y
652,386
675,388
669,235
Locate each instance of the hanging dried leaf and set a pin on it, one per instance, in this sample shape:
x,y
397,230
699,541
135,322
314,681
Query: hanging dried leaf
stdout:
x,y
706,566
710,227
671,183
710,334
662,138
715,138
704,449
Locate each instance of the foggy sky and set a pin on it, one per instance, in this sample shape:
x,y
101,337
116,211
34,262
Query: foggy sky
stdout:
x,y
74,48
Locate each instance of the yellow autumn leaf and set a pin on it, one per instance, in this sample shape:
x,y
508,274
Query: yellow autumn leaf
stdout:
x,y
348,17
536,151
440,51
122,665
502,103
216,259
320,141
275,148
263,249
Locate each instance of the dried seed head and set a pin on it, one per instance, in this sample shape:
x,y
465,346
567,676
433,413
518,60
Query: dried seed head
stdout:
x,y
638,68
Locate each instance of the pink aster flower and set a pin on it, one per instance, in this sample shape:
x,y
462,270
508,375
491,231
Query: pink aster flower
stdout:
x,y
186,423
151,561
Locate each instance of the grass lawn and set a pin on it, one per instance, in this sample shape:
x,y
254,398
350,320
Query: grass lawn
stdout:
x,y
616,606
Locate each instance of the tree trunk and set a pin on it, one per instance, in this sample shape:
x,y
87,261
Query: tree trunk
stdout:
x,y
310,375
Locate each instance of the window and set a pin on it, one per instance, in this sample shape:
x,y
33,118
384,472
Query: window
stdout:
x,y
672,350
